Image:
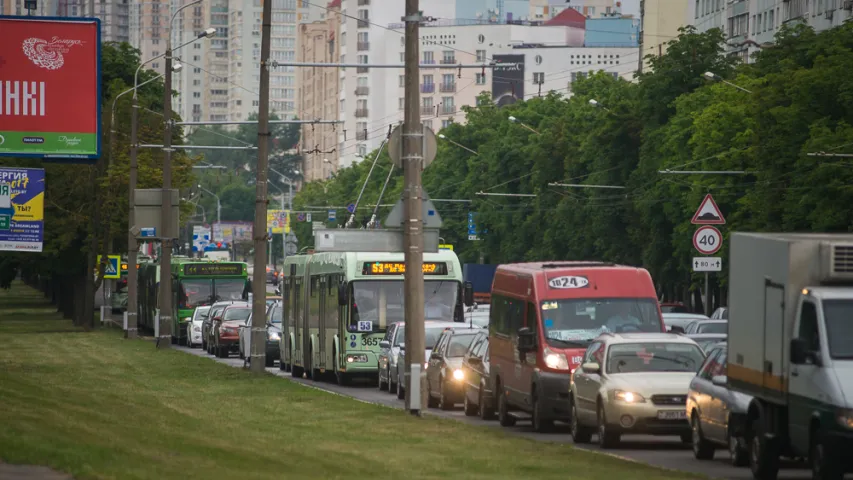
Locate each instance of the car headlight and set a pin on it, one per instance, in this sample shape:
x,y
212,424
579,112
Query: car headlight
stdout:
x,y
628,397
275,337
556,361
196,328
458,374
845,418
187,319
426,365
229,330
356,358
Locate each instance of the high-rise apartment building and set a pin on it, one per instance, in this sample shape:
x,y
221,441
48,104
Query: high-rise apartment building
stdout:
x,y
190,83
659,24
318,93
114,14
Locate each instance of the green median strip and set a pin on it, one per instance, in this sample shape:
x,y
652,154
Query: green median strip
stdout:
x,y
97,406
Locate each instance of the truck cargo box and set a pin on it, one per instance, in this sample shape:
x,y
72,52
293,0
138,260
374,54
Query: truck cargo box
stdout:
x,y
479,274
767,274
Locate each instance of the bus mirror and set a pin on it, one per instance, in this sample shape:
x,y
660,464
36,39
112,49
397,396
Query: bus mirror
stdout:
x,y
526,340
468,291
342,294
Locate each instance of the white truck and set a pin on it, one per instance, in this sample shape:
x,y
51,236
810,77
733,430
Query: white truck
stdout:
x,y
791,348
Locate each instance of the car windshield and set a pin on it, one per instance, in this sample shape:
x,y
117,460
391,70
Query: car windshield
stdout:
x,y
459,344
839,327
229,289
577,322
215,312
233,314
194,293
400,336
654,357
715,327
376,304
432,334
275,316
201,313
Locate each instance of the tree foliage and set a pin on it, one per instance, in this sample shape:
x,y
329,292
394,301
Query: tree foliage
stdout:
x,y
670,118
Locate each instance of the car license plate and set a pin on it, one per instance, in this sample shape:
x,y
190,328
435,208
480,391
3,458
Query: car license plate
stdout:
x,y
672,414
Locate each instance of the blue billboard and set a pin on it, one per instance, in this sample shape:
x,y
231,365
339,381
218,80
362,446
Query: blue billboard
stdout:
x,y
21,209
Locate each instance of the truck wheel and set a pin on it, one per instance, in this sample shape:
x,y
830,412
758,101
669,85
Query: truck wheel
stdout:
x,y
702,448
738,451
763,455
540,425
825,465
486,411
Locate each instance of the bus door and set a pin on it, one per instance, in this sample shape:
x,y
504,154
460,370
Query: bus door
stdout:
x,y
321,324
305,306
297,320
343,316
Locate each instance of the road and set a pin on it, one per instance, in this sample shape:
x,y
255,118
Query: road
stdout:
x,y
666,452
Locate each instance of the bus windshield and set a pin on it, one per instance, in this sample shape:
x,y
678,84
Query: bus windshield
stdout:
x,y
379,303
195,292
229,289
575,323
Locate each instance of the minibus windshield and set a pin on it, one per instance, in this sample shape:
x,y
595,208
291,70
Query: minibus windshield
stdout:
x,y
576,322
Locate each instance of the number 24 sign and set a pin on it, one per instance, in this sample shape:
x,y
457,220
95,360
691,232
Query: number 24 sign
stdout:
x,y
707,240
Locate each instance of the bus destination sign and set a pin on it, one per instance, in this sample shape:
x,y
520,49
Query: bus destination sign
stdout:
x,y
399,268
210,269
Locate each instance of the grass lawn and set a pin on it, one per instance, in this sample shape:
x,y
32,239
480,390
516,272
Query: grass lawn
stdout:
x,y
98,406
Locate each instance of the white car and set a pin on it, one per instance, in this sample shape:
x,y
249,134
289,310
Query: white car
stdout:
x,y
681,320
194,329
478,315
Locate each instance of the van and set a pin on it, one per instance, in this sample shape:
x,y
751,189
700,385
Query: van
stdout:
x,y
543,316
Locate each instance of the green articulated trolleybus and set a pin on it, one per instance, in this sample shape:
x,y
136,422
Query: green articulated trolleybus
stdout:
x,y
339,303
194,282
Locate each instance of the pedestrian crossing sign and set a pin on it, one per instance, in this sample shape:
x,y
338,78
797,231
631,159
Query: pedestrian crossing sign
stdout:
x,y
111,269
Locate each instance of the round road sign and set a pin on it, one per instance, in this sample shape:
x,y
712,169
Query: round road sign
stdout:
x,y
395,146
707,240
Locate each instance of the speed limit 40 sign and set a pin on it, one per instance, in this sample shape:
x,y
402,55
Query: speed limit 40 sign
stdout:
x,y
707,240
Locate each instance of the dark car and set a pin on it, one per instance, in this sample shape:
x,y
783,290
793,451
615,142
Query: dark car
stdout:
x,y
479,394
226,329
273,335
445,379
206,326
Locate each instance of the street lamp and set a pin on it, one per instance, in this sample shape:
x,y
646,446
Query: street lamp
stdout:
x,y
218,203
132,246
595,104
713,77
515,120
441,136
289,209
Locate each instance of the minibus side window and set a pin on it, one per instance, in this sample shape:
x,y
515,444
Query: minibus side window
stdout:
x,y
532,321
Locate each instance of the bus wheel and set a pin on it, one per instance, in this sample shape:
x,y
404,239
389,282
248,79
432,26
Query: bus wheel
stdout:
x,y
540,425
341,377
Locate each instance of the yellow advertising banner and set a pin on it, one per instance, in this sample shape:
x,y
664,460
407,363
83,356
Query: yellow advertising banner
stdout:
x,y
278,221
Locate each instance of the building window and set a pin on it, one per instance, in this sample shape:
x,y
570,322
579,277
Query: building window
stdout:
x,y
480,78
538,78
446,123
361,149
402,81
481,56
448,57
428,58
401,103
196,95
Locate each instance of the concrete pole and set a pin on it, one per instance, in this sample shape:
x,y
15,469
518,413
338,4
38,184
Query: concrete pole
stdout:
x,y
132,272
166,232
412,160
259,287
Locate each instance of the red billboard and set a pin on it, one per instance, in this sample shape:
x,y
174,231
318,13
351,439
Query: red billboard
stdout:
x,y
50,87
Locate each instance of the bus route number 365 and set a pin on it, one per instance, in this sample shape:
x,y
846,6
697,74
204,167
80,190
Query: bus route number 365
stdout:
x,y
370,342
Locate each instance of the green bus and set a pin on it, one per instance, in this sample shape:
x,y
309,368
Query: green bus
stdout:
x,y
194,282
338,305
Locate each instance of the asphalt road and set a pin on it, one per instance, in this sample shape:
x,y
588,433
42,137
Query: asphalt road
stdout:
x,y
666,452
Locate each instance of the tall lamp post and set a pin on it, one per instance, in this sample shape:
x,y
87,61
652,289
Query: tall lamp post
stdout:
x,y
289,183
166,233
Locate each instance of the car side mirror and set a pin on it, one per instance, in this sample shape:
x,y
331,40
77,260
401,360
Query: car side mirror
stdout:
x,y
799,351
468,293
592,368
475,360
342,294
402,347
526,339
384,344
719,380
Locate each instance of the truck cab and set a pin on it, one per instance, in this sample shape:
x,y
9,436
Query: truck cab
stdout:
x,y
791,348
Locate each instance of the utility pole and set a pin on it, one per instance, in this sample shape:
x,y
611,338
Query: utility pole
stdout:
x,y
413,282
132,247
259,286
165,322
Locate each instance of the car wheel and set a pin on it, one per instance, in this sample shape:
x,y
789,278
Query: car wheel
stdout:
x,y
503,409
431,402
738,451
540,425
486,411
444,403
392,385
825,465
580,433
607,438
383,385
470,409
702,448
763,455
401,389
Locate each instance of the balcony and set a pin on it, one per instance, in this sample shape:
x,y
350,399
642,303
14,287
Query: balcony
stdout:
x,y
448,87
427,88
448,109
360,113
363,23
448,61
361,135
363,46
361,69
362,90
428,110
363,3
428,61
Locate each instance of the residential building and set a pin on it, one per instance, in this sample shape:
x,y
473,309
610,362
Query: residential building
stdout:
x,y
659,24
215,69
190,83
114,14
318,94
612,31
364,39
751,24
485,10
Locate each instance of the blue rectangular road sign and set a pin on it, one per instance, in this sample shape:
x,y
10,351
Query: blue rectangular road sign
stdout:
x,y
332,214
148,232
472,224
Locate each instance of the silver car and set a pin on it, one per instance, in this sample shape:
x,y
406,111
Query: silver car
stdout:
x,y
433,330
717,414
389,350
194,328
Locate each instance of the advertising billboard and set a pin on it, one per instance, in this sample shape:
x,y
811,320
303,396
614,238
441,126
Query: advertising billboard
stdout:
x,y
278,221
507,80
21,209
231,232
50,88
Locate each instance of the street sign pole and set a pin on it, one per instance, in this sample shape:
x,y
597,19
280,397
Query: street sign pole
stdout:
x,y
707,240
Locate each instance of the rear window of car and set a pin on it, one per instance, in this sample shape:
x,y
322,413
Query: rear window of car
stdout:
x,y
713,328
237,314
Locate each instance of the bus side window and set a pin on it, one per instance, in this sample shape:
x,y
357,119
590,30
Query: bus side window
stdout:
x,y
531,321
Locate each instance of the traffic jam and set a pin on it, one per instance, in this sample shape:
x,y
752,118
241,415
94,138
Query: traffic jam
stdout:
x,y
590,345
